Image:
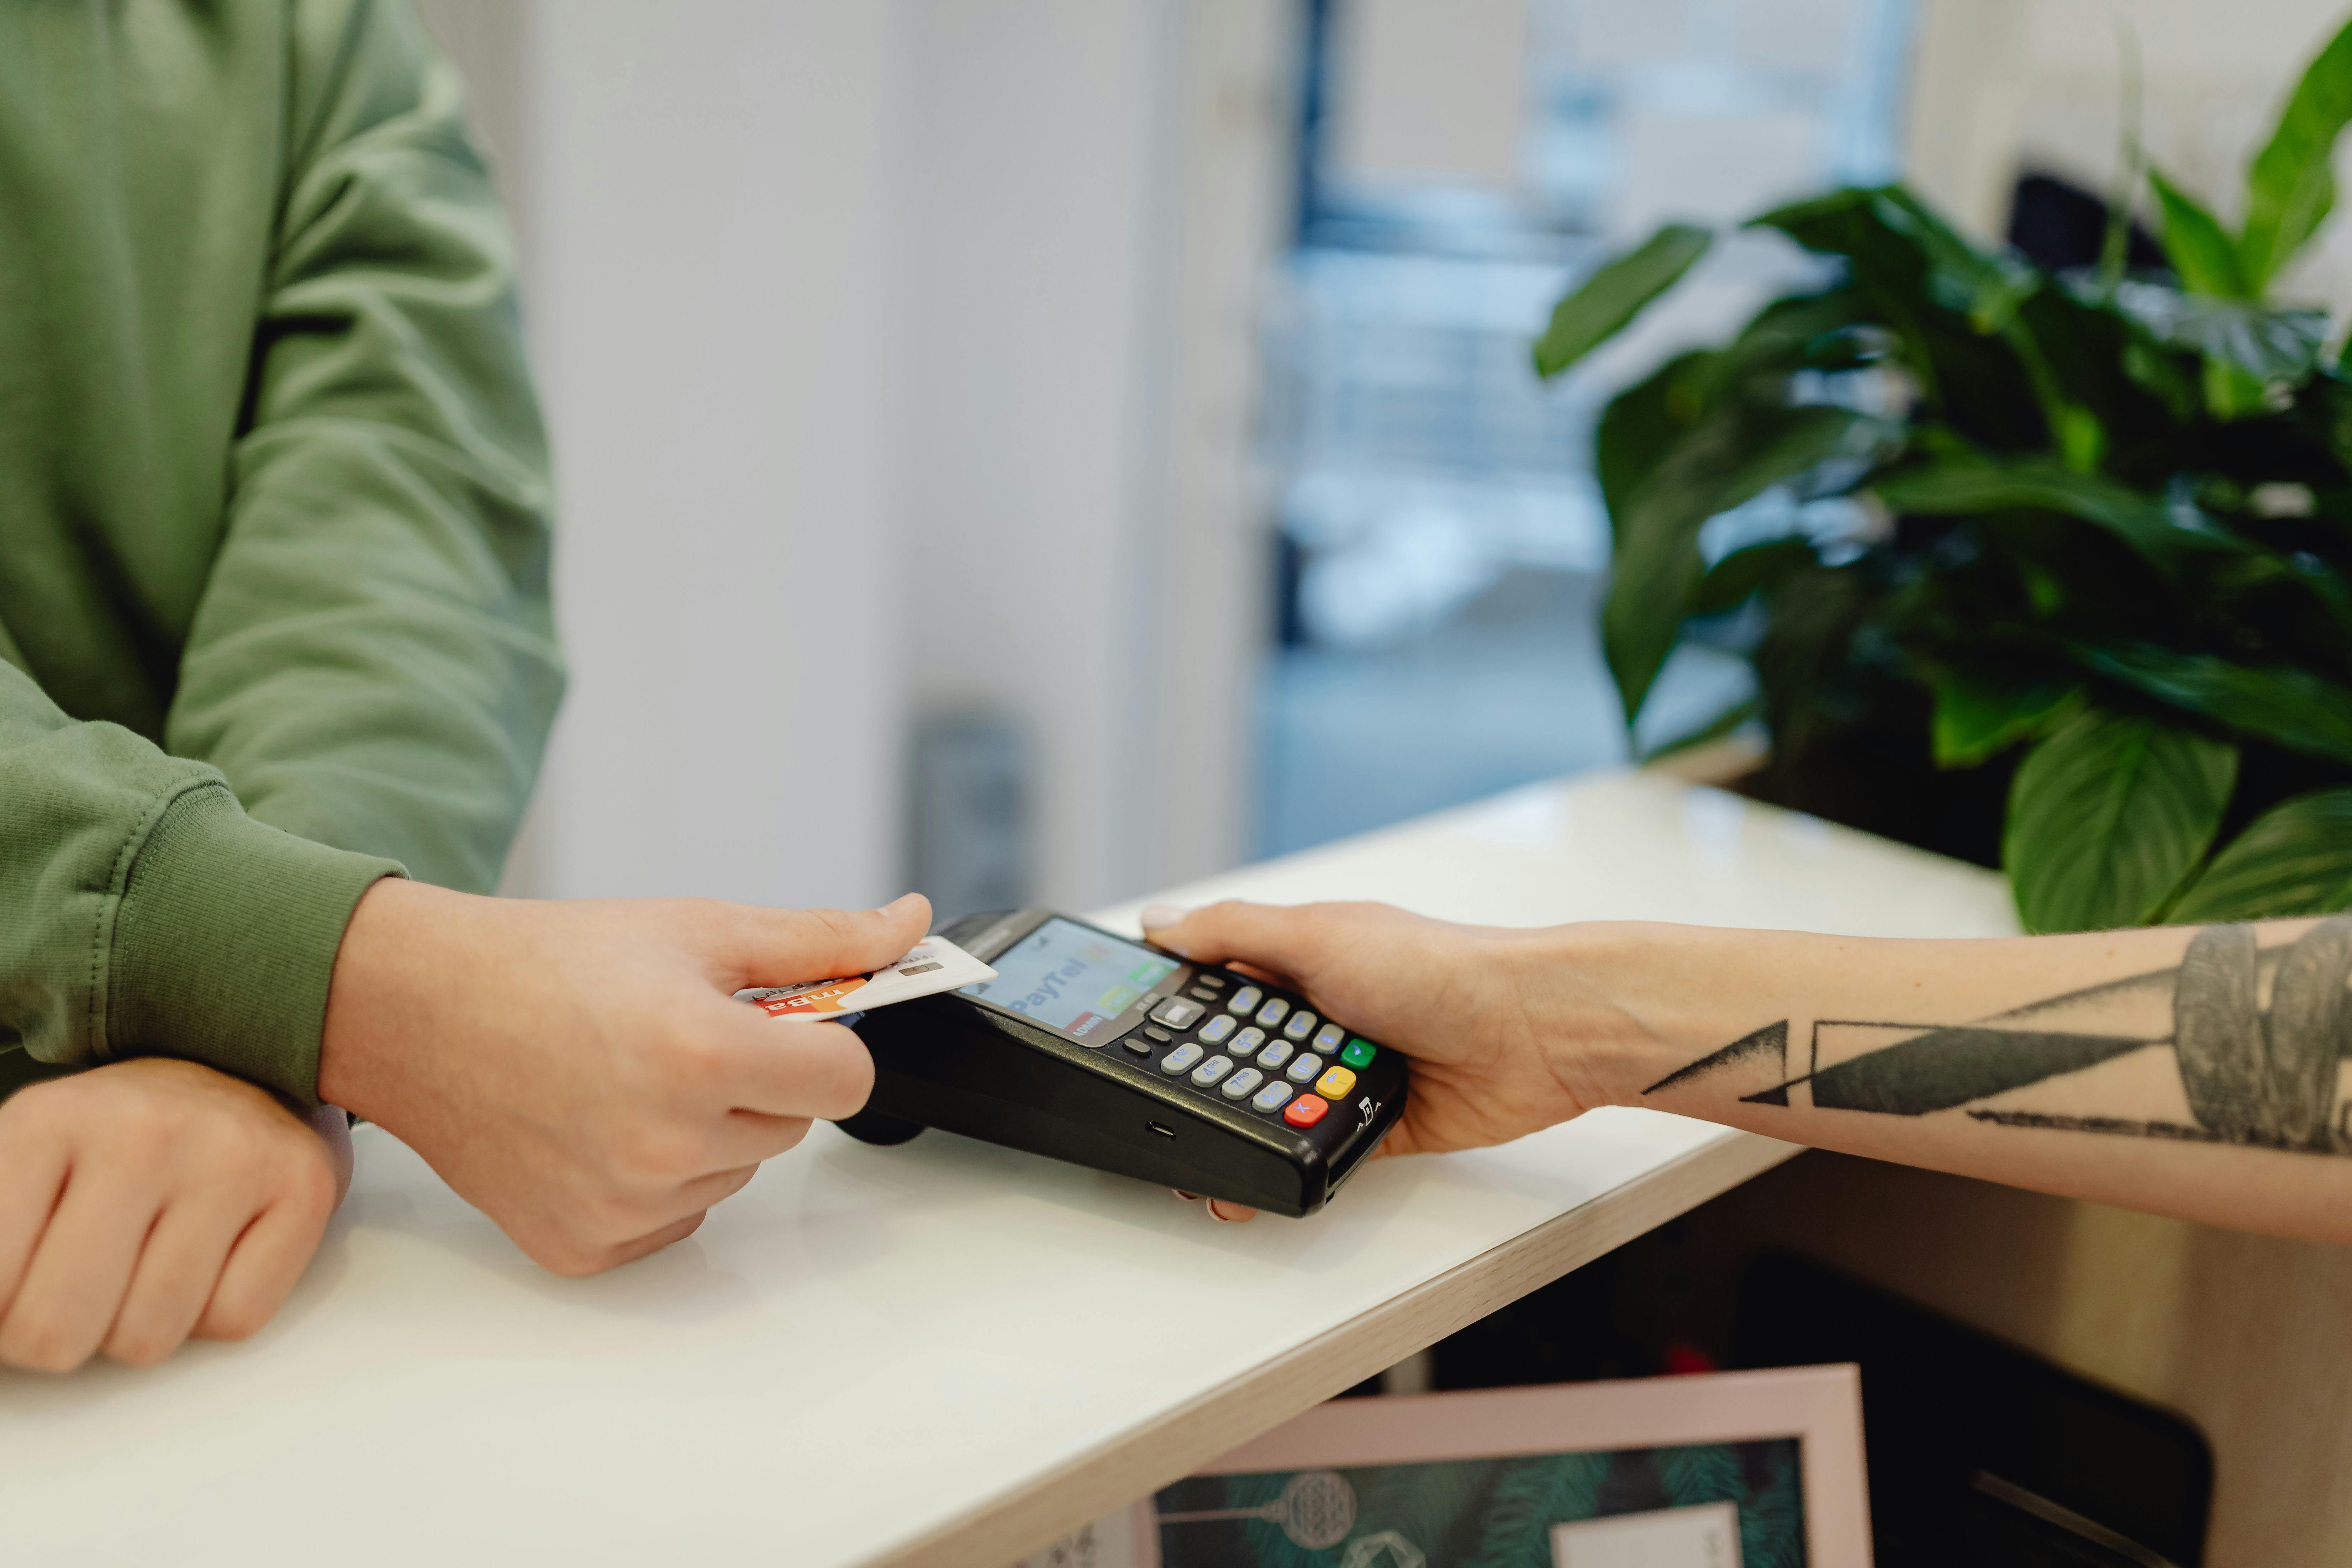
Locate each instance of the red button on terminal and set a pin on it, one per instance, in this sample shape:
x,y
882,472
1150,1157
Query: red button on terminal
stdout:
x,y
1306,1111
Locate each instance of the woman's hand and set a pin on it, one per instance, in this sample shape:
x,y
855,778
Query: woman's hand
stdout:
x,y
152,1200
1486,1013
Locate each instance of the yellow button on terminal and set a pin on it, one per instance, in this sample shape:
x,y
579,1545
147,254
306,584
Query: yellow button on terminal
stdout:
x,y
1335,1083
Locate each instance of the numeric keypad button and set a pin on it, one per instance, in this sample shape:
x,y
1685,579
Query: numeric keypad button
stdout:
x,y
1272,1096
1247,1043
1182,1058
1275,1011
1246,998
1215,1031
1300,1026
1241,1085
1210,1071
1303,1069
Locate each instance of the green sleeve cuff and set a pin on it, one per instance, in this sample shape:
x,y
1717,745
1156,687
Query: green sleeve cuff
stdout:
x,y
224,942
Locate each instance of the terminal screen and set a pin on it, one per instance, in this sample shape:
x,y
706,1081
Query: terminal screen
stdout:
x,y
1071,979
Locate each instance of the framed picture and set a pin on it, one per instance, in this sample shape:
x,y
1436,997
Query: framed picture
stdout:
x,y
1747,1470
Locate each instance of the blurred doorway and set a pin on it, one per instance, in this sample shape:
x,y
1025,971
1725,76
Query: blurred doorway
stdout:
x,y
1440,547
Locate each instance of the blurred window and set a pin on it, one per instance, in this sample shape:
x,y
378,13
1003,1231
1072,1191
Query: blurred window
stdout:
x,y
1442,545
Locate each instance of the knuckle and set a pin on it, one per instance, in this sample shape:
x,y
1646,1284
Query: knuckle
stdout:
x,y
139,1347
235,1320
652,1150
226,1167
40,1346
837,926
689,1059
308,1182
146,1124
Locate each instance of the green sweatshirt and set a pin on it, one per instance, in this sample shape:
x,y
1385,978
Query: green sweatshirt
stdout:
x,y
274,613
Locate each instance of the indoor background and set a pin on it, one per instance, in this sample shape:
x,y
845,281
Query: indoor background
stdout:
x,y
1044,451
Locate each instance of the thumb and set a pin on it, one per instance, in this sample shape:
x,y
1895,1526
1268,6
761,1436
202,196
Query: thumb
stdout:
x,y
1285,940
783,947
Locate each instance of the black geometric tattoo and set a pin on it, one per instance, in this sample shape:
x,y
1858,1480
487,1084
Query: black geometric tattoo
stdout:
x,y
2259,1036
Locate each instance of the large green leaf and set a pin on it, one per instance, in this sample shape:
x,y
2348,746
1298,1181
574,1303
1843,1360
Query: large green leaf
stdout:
x,y
1979,485
2295,859
1986,288
1977,719
1885,257
2194,242
2293,706
2107,816
1795,333
1614,295
2292,185
1934,294
2267,344
1808,654
1743,574
1739,451
1643,424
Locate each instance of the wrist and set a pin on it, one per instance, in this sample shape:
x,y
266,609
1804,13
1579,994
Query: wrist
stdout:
x,y
372,999
1648,1000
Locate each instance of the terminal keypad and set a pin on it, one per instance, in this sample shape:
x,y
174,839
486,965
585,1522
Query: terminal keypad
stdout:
x,y
1229,1037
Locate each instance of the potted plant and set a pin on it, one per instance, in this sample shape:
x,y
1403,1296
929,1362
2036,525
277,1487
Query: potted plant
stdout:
x,y
2088,606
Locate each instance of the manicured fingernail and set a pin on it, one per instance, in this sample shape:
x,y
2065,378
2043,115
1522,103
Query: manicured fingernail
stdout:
x,y
1217,1212
1159,915
1188,1197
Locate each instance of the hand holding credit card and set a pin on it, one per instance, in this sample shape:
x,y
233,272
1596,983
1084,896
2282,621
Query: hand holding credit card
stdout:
x,y
932,965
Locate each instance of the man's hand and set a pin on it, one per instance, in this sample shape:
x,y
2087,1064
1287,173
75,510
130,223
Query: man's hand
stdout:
x,y
1480,1009
579,1071
149,1200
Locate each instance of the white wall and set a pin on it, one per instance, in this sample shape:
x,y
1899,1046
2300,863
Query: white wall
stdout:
x,y
716,307
1227,166
1033,270
898,354
1095,184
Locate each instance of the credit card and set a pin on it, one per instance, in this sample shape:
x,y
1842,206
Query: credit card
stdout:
x,y
932,965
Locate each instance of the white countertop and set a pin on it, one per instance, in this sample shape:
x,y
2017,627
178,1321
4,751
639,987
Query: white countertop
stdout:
x,y
942,1352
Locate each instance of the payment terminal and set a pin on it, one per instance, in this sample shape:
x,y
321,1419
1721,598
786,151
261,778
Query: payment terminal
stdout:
x,y
1099,1050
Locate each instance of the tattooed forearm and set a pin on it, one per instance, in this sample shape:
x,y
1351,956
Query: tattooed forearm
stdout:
x,y
2258,1036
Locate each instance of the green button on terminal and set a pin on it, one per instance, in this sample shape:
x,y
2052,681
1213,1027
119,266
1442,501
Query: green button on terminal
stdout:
x,y
1360,1053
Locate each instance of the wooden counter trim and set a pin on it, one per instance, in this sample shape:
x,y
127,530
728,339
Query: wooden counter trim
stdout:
x,y
1002,1531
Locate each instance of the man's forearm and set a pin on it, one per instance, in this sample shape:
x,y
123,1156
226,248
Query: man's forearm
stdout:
x,y
2193,1070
